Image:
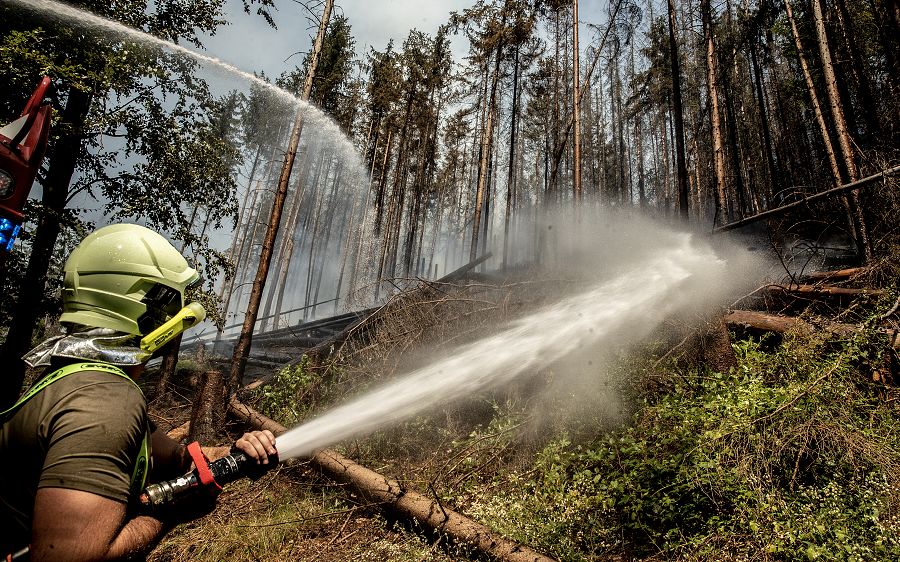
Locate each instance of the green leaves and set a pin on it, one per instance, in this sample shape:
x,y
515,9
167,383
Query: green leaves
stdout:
x,y
283,398
788,457
154,146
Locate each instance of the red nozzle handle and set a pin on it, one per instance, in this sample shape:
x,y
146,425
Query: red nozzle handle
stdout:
x,y
203,471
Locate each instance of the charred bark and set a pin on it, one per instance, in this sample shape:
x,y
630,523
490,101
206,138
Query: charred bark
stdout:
x,y
206,413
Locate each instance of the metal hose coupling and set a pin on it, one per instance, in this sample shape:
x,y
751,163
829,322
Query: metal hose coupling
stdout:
x,y
224,470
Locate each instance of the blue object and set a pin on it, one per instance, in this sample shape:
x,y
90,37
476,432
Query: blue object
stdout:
x,y
8,232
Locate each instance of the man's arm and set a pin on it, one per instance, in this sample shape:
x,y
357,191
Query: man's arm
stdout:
x,y
170,458
76,525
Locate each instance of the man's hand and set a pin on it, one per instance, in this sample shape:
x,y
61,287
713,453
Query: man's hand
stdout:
x,y
258,445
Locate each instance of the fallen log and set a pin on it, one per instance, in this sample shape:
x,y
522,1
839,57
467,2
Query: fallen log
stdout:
x,y
807,200
837,274
392,497
462,271
761,321
823,291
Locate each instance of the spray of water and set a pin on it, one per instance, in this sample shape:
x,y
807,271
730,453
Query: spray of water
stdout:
x,y
72,15
676,275
343,184
69,15
644,284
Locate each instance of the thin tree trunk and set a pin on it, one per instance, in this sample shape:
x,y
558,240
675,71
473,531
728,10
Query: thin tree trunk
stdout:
x,y
667,163
511,176
329,225
321,206
359,250
289,243
681,165
242,217
348,243
382,184
858,69
487,219
840,123
712,83
576,100
487,138
242,233
242,348
814,98
731,126
619,126
820,119
774,175
286,248
28,309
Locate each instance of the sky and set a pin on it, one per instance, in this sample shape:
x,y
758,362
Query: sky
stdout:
x,y
251,45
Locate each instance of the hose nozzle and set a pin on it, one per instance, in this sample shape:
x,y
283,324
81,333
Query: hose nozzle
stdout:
x,y
224,470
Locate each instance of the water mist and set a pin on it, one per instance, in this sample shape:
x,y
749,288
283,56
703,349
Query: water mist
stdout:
x,y
646,274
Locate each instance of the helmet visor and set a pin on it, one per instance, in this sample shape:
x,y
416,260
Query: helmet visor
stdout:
x,y
162,302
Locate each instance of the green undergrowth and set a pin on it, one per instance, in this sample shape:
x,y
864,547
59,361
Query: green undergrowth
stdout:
x,y
295,391
793,455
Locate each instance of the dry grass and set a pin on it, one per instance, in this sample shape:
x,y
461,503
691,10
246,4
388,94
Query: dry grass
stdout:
x,y
293,514
290,516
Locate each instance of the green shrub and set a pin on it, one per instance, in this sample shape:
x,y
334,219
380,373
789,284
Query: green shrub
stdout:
x,y
792,456
283,398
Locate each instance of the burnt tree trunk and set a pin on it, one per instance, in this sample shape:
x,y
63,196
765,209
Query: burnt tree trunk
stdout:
x,y
843,132
678,116
726,212
207,415
28,309
487,138
167,367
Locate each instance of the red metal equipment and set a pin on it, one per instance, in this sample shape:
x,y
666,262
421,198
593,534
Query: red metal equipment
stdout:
x,y
22,146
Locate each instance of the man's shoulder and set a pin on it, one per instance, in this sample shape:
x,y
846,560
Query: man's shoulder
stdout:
x,y
89,375
100,386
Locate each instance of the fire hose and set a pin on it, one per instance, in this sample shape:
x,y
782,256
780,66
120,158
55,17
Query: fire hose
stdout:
x,y
206,476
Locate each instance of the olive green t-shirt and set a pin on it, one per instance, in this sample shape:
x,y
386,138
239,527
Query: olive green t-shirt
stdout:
x,y
82,432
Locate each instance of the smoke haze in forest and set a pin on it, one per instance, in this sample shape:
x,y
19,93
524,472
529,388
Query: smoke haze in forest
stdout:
x,y
634,274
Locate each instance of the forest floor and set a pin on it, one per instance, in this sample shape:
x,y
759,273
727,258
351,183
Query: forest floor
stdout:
x,y
694,447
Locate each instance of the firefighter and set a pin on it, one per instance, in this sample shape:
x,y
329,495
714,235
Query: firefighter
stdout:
x,y
78,448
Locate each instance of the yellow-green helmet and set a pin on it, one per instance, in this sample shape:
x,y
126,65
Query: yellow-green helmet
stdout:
x,y
125,277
